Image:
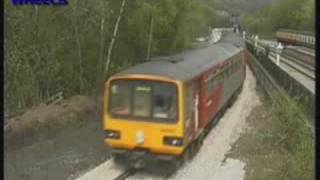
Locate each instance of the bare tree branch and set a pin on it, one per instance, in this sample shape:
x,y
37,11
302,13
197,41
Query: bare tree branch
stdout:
x,y
115,31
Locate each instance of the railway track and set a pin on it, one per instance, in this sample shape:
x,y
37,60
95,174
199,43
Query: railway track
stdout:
x,y
126,174
297,65
298,59
299,62
137,166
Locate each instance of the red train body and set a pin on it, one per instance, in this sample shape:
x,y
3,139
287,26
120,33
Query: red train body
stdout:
x,y
206,81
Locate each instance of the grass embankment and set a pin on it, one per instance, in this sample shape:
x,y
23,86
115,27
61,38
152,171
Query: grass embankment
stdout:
x,y
277,145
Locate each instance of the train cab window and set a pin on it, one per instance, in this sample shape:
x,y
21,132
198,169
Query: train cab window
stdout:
x,y
120,101
143,100
164,101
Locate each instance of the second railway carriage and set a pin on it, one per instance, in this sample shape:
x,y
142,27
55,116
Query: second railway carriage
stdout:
x,y
294,37
164,107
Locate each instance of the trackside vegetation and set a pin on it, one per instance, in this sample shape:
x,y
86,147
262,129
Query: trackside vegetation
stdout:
x,y
278,143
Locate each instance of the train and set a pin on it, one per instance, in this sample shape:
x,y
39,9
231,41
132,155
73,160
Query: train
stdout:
x,y
293,37
163,108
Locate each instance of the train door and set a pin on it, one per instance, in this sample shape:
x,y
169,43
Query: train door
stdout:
x,y
196,111
196,98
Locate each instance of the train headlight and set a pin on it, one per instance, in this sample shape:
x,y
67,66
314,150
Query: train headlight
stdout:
x,y
173,141
111,134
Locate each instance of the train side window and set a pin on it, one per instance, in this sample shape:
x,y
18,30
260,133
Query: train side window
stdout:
x,y
222,76
207,88
239,64
214,82
234,67
210,85
228,71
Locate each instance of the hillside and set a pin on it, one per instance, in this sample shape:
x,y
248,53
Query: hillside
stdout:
x,y
240,6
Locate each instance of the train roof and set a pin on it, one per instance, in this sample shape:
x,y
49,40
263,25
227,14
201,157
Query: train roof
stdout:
x,y
296,31
189,64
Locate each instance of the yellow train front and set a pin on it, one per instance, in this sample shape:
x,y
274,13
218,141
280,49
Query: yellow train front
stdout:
x,y
143,113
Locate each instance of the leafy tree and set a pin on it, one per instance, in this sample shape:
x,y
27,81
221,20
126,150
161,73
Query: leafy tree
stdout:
x,y
53,49
289,14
